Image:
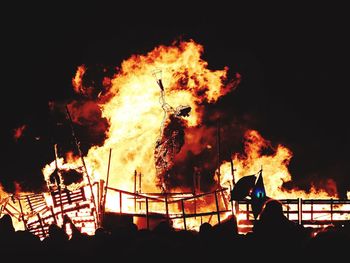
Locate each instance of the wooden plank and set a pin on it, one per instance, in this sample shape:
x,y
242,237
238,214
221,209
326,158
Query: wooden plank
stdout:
x,y
178,216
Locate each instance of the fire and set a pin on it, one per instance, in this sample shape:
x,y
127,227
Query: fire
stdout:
x,y
18,132
274,165
77,81
275,173
135,109
135,114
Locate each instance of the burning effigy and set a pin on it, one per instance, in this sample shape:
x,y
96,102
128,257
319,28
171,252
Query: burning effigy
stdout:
x,y
170,140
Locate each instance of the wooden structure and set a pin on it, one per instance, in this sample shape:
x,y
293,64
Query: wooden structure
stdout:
x,y
180,208
185,210
316,213
38,211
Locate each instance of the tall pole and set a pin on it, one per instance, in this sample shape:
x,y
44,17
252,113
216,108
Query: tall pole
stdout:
x,y
58,181
233,183
232,172
217,206
140,189
218,152
106,186
77,143
194,192
135,191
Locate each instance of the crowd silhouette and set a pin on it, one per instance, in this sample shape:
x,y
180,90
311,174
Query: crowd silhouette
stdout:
x,y
272,236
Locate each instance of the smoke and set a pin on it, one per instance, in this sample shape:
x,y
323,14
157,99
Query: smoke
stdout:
x,y
91,85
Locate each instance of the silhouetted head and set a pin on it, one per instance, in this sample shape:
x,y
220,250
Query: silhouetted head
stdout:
x,y
57,233
272,208
6,224
101,232
163,228
205,228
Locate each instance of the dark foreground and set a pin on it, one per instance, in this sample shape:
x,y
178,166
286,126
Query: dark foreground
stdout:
x,y
274,238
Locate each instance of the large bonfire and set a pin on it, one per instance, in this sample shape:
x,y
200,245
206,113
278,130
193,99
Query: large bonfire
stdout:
x,y
136,111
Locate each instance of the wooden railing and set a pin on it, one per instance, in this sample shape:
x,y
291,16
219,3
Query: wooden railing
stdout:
x,y
308,212
155,204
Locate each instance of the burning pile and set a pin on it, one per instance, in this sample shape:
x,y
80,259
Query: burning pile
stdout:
x,y
275,166
140,119
166,133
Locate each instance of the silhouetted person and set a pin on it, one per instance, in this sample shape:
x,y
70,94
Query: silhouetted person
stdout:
x,y
205,230
163,229
7,234
57,240
6,226
274,231
228,228
205,238
29,244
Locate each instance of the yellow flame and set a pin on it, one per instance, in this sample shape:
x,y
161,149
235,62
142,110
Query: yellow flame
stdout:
x,y
275,168
135,113
77,81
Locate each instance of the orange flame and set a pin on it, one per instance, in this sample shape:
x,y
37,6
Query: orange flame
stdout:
x,y
135,114
132,106
77,81
274,165
18,132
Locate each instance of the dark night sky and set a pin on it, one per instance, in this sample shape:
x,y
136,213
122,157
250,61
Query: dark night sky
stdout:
x,y
294,62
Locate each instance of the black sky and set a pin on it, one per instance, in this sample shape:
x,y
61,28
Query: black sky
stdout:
x,y
294,61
